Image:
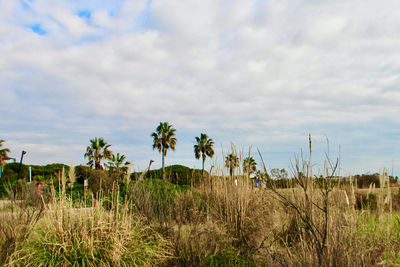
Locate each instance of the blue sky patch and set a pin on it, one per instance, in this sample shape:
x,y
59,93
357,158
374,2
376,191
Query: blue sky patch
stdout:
x,y
84,14
144,21
25,4
88,39
37,28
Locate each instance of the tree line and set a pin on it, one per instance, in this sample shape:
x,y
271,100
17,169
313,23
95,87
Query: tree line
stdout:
x,y
164,139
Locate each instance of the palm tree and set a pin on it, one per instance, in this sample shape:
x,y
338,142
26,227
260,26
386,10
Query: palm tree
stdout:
x,y
118,165
231,162
164,139
203,148
249,165
96,152
3,154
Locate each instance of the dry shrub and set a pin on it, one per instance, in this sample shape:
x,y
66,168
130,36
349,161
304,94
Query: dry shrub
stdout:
x,y
396,201
196,244
92,236
15,228
241,208
20,214
221,223
355,238
88,236
189,208
218,223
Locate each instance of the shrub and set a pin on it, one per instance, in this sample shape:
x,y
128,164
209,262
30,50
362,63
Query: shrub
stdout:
x,y
82,172
366,201
16,222
100,181
364,180
176,174
204,245
90,237
154,198
48,171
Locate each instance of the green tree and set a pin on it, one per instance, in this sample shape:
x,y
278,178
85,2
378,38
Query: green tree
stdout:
x,y
231,162
204,147
118,165
249,165
97,151
3,154
164,139
279,173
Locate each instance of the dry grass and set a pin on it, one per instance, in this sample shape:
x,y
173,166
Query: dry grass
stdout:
x,y
94,235
215,223
221,223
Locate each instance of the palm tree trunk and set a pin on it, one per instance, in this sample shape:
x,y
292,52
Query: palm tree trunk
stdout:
x,y
163,168
202,170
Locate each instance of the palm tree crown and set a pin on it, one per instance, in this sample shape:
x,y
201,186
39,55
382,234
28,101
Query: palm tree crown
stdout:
x,y
231,162
164,139
249,165
3,153
204,147
97,151
118,164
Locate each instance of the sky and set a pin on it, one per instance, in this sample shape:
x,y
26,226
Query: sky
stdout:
x,y
259,74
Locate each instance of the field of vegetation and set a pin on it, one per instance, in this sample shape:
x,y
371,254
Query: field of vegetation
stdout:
x,y
177,216
216,222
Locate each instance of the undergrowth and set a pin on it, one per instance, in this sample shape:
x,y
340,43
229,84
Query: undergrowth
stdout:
x,y
218,222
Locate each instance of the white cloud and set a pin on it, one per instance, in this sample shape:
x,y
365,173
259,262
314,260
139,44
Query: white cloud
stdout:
x,y
257,72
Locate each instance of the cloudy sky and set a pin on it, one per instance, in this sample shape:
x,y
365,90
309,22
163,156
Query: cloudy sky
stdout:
x,y
261,73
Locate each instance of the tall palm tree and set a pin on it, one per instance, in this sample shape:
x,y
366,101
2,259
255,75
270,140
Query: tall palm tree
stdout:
x,y
3,154
97,151
118,165
249,165
164,139
231,162
203,148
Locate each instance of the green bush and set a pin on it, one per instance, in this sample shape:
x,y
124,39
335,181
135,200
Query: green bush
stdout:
x,y
154,198
177,174
100,181
48,171
228,257
364,201
82,172
9,174
77,194
38,178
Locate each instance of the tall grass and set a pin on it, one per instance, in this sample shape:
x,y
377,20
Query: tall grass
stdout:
x,y
92,235
217,222
16,223
311,224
